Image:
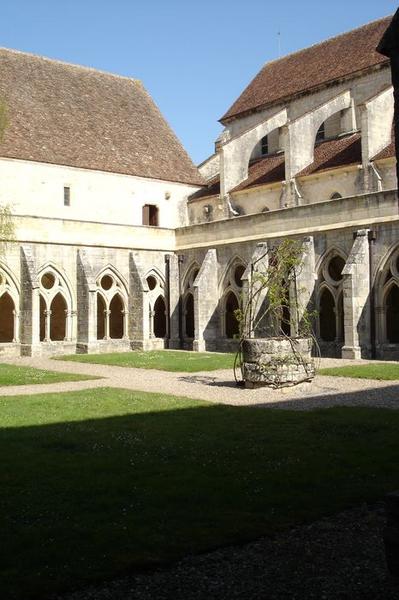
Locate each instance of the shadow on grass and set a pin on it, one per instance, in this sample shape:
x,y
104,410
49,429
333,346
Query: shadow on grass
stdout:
x,y
153,478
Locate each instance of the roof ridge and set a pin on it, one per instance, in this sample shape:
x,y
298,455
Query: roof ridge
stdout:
x,y
70,64
330,39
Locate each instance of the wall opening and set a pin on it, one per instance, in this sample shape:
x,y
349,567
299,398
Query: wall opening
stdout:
x,y
116,309
189,316
232,327
150,215
42,318
101,308
392,315
160,317
7,309
58,317
328,330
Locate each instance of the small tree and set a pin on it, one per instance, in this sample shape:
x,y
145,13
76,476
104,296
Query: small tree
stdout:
x,y
272,309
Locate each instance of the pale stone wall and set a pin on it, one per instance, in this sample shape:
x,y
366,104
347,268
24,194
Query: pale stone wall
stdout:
x,y
32,188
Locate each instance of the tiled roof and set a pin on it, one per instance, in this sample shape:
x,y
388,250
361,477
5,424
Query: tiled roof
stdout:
x,y
263,171
212,188
70,115
332,154
306,70
388,151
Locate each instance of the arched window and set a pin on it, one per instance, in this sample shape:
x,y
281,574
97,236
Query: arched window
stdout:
x,y
160,318
9,305
55,310
188,301
232,328
331,305
58,317
156,304
116,312
7,311
111,303
231,292
328,329
335,196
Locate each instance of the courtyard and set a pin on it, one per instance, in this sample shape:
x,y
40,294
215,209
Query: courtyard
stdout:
x,y
127,470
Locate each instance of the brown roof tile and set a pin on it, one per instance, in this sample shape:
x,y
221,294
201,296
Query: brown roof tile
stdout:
x,y
70,115
332,154
212,188
308,69
263,171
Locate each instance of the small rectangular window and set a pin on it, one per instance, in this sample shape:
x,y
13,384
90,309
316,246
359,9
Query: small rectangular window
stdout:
x,y
150,215
67,196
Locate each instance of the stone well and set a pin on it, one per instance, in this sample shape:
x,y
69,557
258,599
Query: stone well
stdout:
x,y
277,362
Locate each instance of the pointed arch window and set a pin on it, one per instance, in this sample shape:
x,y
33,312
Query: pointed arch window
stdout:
x,y
55,307
111,307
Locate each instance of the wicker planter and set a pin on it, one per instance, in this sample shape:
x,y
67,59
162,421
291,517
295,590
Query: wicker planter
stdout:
x,y
277,362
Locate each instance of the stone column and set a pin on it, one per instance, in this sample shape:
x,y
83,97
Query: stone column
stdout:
x,y
356,290
255,297
139,327
47,323
30,304
174,297
86,305
206,298
305,282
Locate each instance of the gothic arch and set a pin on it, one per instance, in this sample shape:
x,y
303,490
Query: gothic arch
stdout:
x,y
9,306
112,302
230,304
55,304
228,273
190,275
387,298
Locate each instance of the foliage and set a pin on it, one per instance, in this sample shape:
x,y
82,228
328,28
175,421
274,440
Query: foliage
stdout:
x,y
99,482
13,375
275,274
379,371
164,360
273,305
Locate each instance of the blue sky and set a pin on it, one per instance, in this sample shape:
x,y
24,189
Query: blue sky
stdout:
x,y
193,57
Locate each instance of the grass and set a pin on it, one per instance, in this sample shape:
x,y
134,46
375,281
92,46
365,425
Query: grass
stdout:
x,y
380,371
96,483
14,375
164,360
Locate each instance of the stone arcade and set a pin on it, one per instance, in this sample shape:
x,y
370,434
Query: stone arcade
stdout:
x,y
121,242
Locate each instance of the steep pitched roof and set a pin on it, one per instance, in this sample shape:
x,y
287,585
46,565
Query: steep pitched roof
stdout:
x,y
76,116
337,58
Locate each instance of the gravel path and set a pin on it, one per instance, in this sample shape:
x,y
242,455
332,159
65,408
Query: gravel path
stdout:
x,y
341,557
218,386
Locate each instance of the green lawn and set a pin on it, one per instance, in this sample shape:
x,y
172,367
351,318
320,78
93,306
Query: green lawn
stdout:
x,y
96,483
13,375
165,360
383,371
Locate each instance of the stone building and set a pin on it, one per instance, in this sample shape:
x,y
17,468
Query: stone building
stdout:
x,y
122,243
